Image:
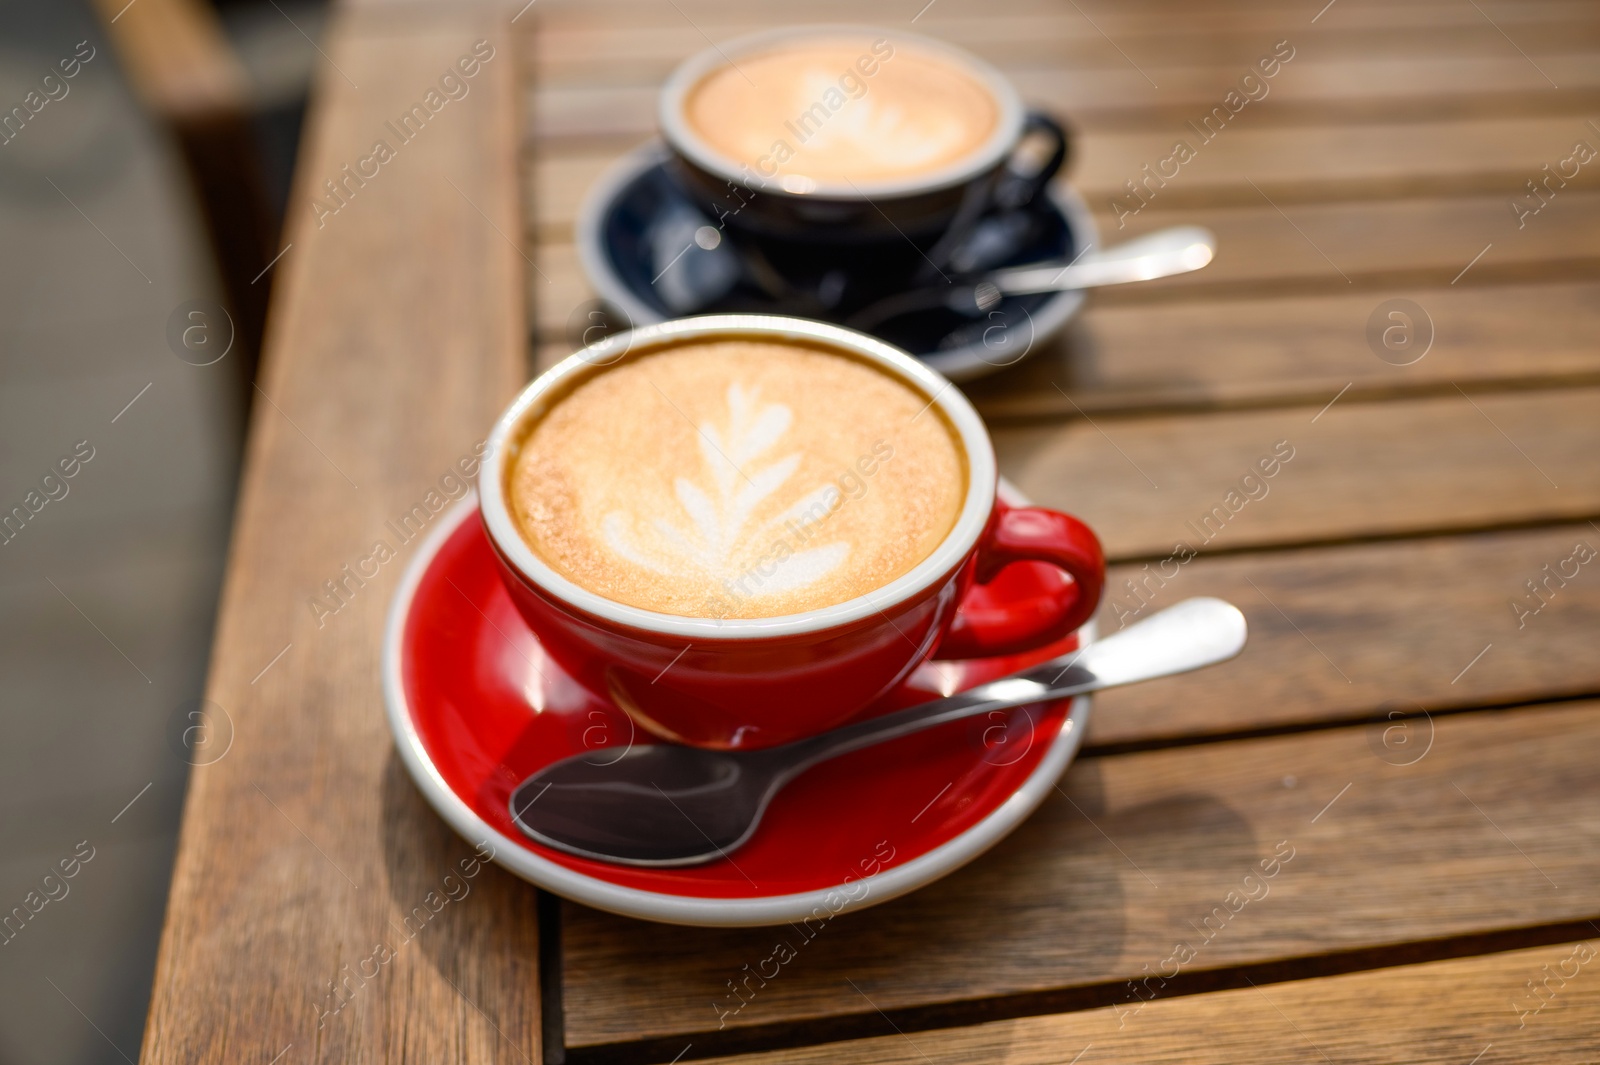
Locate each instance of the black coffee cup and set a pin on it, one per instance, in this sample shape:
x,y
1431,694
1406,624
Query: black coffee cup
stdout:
x,y
842,243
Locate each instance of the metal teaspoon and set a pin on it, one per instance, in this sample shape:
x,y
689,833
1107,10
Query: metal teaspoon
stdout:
x,y
666,805
1175,250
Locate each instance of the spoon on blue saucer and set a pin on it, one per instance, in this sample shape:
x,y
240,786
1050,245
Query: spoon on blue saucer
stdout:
x,y
667,805
1175,250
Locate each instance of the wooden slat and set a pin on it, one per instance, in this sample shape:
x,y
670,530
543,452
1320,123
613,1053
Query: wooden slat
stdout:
x,y
1334,162
1442,1013
1237,352
397,336
1359,470
1132,858
1335,243
1366,631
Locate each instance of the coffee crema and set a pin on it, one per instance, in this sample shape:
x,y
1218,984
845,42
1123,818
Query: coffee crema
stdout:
x,y
737,478
842,110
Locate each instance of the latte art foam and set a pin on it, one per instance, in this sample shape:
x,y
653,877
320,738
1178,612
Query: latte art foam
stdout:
x,y
842,111
737,478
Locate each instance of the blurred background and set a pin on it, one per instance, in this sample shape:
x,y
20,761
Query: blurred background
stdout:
x,y
107,593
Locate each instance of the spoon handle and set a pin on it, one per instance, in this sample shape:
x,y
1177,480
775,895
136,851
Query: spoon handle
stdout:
x,y
1194,633
1176,250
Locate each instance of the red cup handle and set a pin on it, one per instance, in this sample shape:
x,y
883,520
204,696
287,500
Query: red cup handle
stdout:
x,y
1029,534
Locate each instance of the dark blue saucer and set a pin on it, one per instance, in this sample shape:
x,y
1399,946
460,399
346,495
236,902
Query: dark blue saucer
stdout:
x,y
652,255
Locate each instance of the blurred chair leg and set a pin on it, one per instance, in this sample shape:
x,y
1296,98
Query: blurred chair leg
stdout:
x,y
186,73
225,170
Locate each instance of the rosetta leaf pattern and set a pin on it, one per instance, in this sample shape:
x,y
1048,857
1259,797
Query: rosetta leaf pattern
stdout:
x,y
714,533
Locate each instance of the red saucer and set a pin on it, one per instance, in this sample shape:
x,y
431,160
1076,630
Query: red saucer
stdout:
x,y
476,706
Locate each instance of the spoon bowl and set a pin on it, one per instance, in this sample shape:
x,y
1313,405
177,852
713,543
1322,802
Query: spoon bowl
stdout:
x,y
658,804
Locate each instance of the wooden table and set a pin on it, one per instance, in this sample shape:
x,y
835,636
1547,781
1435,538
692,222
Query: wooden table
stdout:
x,y
1411,733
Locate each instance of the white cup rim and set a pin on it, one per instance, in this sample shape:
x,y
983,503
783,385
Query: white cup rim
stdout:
x,y
682,137
951,552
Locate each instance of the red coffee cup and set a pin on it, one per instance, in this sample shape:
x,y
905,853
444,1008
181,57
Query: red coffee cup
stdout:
x,y
757,682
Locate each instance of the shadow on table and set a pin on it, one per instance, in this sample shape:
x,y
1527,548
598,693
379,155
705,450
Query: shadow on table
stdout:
x,y
475,923
1069,899
1079,897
